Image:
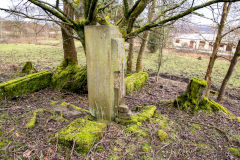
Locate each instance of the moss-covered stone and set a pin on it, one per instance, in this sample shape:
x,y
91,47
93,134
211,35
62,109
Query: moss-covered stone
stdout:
x,y
32,121
28,68
26,84
64,104
135,81
84,132
70,76
146,114
194,99
162,135
234,151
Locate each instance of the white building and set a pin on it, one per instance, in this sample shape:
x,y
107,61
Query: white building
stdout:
x,y
203,42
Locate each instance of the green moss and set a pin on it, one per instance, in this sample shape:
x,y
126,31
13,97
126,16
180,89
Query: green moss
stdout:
x,y
136,128
238,119
58,118
135,81
214,92
74,107
161,120
28,68
162,135
52,103
84,132
70,76
31,123
3,144
26,84
146,148
146,114
196,126
234,151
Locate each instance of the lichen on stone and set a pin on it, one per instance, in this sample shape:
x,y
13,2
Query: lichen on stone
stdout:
x,y
162,135
26,84
83,133
70,76
135,81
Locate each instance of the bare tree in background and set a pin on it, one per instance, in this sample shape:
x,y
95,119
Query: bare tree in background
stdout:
x,y
130,49
229,72
225,11
139,66
94,13
70,53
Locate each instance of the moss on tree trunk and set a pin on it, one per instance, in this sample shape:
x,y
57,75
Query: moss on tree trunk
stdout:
x,y
70,76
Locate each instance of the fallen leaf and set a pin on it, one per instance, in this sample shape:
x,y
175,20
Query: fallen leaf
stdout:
x,y
17,135
50,150
27,153
46,158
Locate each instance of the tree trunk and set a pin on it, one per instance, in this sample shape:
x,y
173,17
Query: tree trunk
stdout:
x,y
70,52
160,54
139,67
130,56
229,73
213,57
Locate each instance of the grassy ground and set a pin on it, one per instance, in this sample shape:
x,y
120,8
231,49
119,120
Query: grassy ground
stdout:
x,y
48,57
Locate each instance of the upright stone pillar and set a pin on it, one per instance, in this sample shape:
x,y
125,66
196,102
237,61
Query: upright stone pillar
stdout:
x,y
105,70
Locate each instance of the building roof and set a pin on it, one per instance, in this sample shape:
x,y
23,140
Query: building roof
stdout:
x,y
207,37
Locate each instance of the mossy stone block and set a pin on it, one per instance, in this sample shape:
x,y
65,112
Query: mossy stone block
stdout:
x,y
146,114
135,81
27,84
84,132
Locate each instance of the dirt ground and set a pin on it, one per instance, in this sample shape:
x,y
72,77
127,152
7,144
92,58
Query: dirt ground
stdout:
x,y
198,136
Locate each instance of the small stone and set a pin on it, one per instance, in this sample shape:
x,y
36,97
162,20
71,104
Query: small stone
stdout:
x,y
125,116
123,108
